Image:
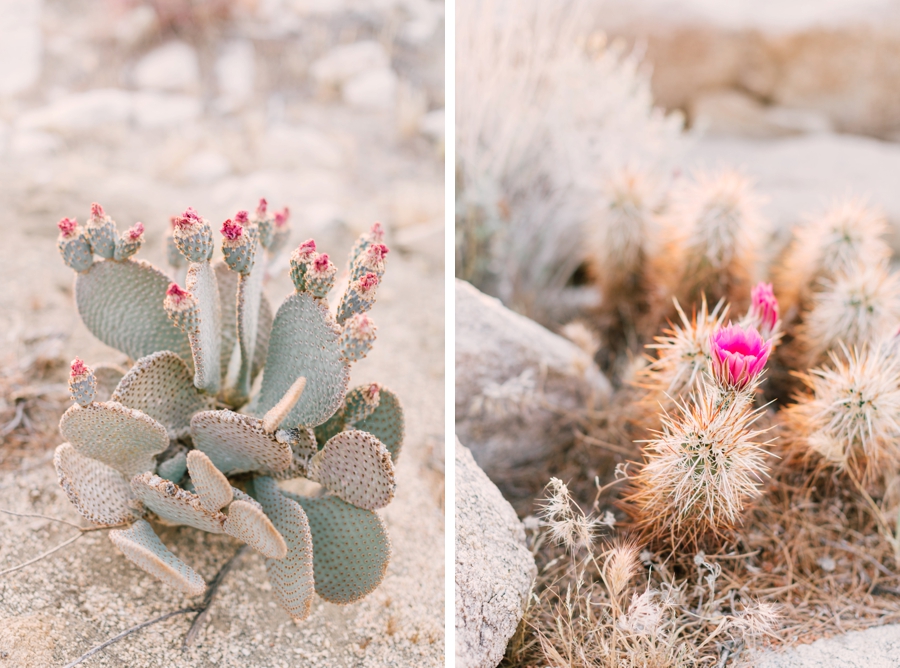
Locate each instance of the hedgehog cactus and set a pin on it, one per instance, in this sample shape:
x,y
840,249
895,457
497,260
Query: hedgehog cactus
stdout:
x,y
162,447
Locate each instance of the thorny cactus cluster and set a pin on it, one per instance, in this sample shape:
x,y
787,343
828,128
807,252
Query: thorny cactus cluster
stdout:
x,y
835,330
165,439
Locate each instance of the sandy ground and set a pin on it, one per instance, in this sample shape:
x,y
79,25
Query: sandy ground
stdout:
x,y
355,167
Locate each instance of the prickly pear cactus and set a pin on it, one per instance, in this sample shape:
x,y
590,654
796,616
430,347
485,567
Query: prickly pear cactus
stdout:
x,y
179,438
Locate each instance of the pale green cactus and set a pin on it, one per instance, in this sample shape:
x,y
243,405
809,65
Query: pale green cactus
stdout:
x,y
179,439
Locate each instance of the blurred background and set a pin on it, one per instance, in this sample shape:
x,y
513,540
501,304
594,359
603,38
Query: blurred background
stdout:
x,y
329,107
800,96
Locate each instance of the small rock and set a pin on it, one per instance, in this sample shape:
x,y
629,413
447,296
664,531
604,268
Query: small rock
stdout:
x,y
79,111
20,45
346,61
730,112
172,66
136,25
236,73
205,167
376,89
511,374
432,125
154,110
287,146
494,568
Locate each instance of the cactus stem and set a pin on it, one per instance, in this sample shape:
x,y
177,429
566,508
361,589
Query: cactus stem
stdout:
x,y
274,417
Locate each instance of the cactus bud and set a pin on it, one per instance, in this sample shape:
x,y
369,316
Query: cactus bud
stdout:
x,y
264,223
261,208
301,259
82,384
281,232
129,243
370,261
361,401
763,309
101,232
357,337
238,248
74,245
181,307
193,236
375,235
320,276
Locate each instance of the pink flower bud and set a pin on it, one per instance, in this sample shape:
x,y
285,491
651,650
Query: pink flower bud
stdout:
x,y
738,355
242,217
173,221
377,251
320,264
281,217
764,306
377,232
135,232
261,208
67,226
97,211
306,250
231,231
191,214
374,388
368,282
79,368
177,294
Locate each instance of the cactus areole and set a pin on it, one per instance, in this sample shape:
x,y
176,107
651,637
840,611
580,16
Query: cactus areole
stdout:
x,y
182,440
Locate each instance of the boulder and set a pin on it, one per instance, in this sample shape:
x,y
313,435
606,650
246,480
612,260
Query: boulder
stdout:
x,y
494,568
515,384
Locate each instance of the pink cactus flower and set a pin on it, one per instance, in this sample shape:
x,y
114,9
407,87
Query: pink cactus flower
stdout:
x,y
231,231
97,211
261,207
374,388
191,214
135,232
377,251
281,217
242,217
377,232
320,264
173,221
368,282
764,306
306,250
79,368
67,227
176,293
738,355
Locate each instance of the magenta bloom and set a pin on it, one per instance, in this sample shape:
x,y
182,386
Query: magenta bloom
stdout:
x,y
97,211
764,306
306,250
261,208
231,231
368,282
67,226
242,217
135,232
79,368
176,293
281,217
738,355
320,264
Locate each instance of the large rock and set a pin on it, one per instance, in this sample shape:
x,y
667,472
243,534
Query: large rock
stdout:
x,y
877,647
515,381
494,568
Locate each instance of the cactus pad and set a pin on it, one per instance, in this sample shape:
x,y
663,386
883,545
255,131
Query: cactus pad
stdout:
x,y
236,443
121,437
275,415
249,299
356,467
291,577
121,303
74,246
143,548
304,342
173,468
211,484
175,505
351,548
160,385
98,492
247,522
206,344
386,423
100,231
